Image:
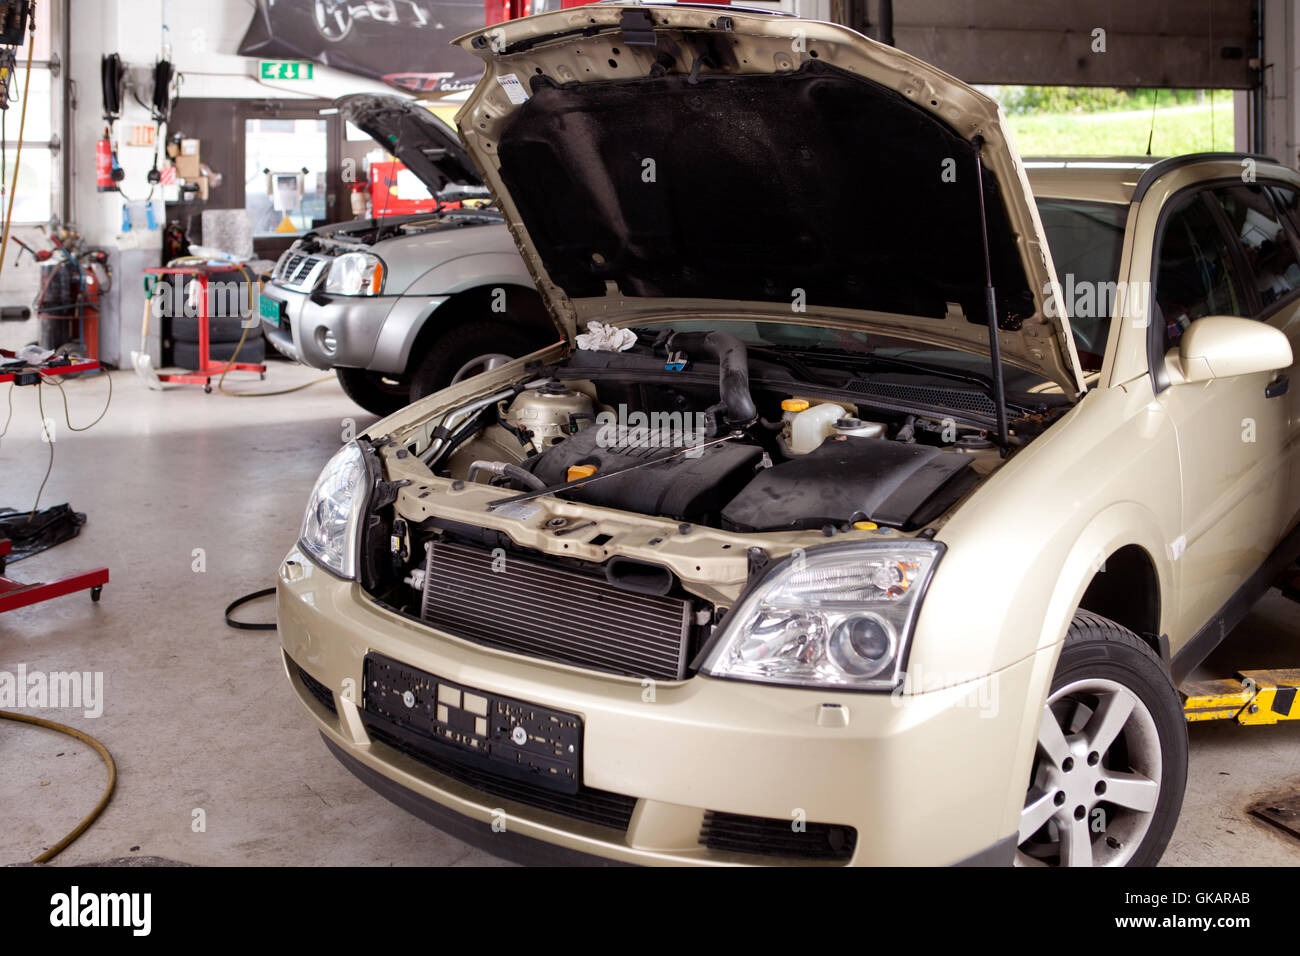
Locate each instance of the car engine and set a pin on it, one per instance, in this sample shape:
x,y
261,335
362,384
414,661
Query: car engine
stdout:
x,y
688,437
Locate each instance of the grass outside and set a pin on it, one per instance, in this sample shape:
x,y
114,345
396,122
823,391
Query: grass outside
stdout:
x,y
1178,129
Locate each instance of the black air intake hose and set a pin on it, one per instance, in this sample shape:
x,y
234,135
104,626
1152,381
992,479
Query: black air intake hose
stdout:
x,y
733,369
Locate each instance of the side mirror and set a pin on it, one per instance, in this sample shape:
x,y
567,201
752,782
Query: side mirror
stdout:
x,y
1222,346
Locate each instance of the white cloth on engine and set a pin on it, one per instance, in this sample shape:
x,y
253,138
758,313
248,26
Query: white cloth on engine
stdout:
x,y
600,337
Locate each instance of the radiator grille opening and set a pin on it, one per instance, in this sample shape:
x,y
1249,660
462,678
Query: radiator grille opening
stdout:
x,y
553,613
735,833
315,688
613,810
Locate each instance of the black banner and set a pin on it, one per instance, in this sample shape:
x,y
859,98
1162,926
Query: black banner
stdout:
x,y
405,43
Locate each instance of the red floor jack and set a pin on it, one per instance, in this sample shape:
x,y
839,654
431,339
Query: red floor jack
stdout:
x,y
208,369
14,594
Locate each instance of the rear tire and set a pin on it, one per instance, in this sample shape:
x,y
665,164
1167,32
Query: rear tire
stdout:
x,y
457,354
376,392
1111,765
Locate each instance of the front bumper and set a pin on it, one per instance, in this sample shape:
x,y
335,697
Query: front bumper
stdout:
x,y
927,779
356,325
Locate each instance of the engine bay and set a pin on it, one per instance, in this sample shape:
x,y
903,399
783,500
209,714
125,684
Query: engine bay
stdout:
x,y
690,426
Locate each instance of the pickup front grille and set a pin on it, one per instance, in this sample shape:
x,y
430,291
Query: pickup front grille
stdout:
x,y
300,271
553,613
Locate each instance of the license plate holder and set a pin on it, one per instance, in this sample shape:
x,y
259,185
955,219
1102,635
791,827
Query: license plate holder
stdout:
x,y
270,310
501,735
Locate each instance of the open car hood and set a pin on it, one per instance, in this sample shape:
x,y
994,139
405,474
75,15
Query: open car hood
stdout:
x,y
426,145
672,161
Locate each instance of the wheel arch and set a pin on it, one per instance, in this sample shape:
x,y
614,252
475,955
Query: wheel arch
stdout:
x,y
522,305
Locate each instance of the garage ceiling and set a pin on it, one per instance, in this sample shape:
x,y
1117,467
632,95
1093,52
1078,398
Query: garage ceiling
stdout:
x,y
1187,43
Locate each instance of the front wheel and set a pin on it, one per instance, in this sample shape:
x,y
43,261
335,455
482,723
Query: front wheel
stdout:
x,y
1111,765
469,350
376,392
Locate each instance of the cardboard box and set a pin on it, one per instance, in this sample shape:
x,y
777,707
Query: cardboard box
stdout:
x,y
187,162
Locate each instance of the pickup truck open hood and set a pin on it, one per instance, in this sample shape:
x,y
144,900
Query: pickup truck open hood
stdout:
x,y
675,160
426,145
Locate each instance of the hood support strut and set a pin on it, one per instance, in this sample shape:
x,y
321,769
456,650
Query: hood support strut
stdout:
x,y
991,307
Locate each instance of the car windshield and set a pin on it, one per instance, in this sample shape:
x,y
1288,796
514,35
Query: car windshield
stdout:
x,y
1085,239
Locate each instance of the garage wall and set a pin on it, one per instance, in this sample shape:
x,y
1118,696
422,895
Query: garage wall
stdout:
x,y
203,38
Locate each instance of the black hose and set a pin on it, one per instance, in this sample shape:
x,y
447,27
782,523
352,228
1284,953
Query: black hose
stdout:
x,y
733,370
245,625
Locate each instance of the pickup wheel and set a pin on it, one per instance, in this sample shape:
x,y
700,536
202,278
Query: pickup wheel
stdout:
x,y
466,351
1111,765
376,392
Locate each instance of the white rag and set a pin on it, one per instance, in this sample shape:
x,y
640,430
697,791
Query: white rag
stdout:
x,y
600,337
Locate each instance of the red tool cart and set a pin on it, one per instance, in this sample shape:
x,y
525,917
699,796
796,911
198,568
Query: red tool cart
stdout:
x,y
208,369
14,594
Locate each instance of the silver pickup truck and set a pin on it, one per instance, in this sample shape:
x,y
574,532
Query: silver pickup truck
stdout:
x,y
402,306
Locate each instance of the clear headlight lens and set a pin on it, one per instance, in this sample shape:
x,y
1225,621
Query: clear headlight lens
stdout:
x,y
356,273
331,527
838,616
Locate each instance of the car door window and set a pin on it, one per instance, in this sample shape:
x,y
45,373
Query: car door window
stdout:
x,y
1196,274
1252,216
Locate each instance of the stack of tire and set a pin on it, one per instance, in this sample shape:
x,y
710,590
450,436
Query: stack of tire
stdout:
x,y
224,331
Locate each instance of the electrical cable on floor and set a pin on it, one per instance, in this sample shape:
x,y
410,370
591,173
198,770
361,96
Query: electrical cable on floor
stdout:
x,y
249,625
49,439
107,757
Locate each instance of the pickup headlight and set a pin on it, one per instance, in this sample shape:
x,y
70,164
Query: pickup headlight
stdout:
x,y
356,273
332,525
838,616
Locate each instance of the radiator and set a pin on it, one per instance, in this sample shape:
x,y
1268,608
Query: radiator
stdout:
x,y
554,613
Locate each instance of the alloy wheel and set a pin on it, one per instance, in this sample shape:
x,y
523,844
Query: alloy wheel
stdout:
x,y
1096,778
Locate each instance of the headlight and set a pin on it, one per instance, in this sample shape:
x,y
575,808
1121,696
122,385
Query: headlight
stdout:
x,y
838,616
332,524
356,273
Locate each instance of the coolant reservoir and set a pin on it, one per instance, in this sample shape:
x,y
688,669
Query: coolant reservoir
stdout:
x,y
551,412
810,427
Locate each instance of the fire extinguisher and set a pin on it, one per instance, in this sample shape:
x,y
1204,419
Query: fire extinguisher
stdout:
x,y
108,173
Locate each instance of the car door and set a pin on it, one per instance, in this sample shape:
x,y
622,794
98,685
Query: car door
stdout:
x,y
1230,435
1287,319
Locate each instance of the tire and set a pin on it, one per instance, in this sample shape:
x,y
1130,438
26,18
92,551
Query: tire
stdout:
x,y
449,357
1135,751
220,329
370,391
186,354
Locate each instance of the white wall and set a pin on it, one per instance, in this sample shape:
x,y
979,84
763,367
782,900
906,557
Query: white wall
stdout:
x,y
203,36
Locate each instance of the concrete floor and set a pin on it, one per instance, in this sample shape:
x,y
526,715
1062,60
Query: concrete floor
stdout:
x,y
199,716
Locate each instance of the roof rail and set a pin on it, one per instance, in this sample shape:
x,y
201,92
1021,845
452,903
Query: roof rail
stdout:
x,y
1148,178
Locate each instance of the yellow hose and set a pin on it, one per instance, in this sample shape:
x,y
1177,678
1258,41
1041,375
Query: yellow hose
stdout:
x,y
81,827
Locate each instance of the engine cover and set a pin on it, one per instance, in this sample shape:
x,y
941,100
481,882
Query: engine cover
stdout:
x,y
891,483
689,486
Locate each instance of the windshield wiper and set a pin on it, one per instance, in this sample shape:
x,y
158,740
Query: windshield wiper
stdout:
x,y
883,361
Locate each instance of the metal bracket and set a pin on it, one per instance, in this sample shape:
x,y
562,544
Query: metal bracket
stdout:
x,y
637,27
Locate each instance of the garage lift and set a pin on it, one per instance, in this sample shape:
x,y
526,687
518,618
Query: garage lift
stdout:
x,y
1250,697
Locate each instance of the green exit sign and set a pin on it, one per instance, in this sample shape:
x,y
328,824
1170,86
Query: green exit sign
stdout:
x,y
285,70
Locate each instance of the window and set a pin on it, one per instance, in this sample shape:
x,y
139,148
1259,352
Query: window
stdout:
x,y
1086,240
1264,240
1196,274
285,174
36,176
